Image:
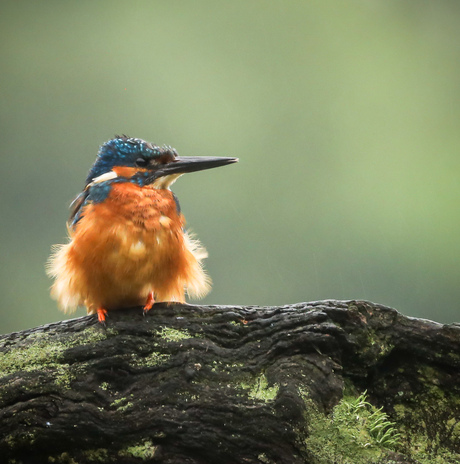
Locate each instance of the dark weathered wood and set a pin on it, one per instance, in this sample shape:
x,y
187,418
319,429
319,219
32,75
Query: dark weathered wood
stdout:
x,y
195,384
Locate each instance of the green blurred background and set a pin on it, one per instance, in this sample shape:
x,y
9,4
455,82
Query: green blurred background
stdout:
x,y
345,117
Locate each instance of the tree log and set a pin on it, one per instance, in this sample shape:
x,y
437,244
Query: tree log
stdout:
x,y
302,383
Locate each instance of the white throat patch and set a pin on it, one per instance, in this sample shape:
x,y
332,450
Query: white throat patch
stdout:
x,y
165,181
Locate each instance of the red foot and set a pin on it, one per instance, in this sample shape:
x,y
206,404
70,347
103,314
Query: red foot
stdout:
x,y
101,313
149,303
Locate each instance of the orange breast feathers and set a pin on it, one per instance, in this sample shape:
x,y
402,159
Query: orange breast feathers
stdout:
x,y
125,247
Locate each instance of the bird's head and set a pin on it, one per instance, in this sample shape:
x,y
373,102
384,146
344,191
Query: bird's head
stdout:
x,y
145,163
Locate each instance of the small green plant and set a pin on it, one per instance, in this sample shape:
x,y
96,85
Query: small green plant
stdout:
x,y
359,412
356,432
382,430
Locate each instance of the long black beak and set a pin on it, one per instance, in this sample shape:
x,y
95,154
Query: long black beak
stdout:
x,y
181,165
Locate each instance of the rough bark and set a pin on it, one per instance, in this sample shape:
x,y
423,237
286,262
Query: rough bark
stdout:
x,y
226,384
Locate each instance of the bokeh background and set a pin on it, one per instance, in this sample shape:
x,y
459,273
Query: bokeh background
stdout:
x,y
345,117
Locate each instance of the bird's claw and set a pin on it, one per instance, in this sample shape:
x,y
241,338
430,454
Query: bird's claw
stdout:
x,y
149,303
101,314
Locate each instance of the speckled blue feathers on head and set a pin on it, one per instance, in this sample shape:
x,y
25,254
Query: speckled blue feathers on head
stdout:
x,y
124,151
129,160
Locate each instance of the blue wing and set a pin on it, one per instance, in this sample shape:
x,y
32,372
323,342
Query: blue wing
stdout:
x,y
95,193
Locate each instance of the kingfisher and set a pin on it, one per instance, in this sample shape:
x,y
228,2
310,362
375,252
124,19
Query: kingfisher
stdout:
x,y
127,240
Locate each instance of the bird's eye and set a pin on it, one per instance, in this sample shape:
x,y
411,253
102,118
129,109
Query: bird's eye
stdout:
x,y
141,162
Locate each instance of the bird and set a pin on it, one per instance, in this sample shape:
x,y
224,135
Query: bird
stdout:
x,y
127,243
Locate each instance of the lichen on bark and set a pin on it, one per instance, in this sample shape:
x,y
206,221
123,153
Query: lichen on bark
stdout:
x,y
330,381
